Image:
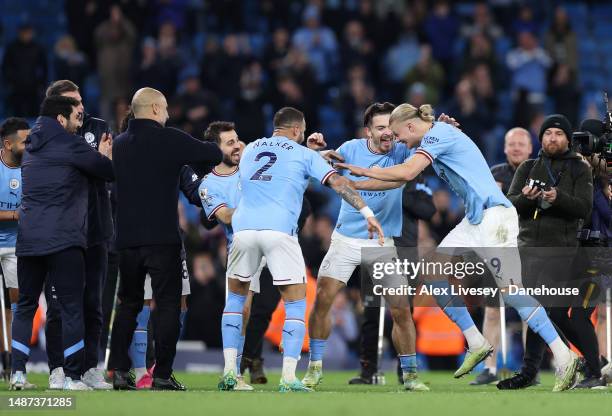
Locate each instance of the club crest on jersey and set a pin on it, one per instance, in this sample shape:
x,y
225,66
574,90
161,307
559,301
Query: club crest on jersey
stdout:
x,y
90,138
14,183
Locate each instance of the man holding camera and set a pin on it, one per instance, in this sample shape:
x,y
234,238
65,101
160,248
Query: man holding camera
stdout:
x,y
551,194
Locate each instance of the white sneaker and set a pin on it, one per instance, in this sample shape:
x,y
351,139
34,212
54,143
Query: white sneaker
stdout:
x,y
94,378
606,373
242,385
18,381
75,385
57,379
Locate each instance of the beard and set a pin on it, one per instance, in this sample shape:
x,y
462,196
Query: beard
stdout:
x,y
17,156
227,160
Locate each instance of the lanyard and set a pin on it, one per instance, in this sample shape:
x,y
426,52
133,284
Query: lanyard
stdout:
x,y
548,165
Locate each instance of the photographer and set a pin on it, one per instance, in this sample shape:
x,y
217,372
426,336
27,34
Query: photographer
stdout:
x,y
551,194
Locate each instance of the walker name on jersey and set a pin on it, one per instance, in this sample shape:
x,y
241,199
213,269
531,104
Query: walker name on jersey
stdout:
x,y
273,143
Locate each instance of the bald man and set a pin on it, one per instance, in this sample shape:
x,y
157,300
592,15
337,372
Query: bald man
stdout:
x,y
517,148
148,158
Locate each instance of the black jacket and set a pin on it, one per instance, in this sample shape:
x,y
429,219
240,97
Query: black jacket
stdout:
x,y
417,204
148,159
55,171
100,221
557,225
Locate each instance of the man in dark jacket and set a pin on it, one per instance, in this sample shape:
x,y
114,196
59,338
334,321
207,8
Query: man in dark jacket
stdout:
x,y
99,233
549,220
52,232
148,159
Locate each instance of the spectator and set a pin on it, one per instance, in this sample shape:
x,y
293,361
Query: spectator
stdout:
x,y
474,116
319,43
565,93
169,59
231,62
197,107
482,23
525,22
484,89
115,39
356,97
276,51
528,64
24,70
147,72
68,61
249,107
416,94
290,93
296,65
560,41
356,48
441,28
404,54
480,51
428,72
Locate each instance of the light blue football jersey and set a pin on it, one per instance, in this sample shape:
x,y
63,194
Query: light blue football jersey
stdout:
x,y
217,191
10,200
387,205
274,173
458,161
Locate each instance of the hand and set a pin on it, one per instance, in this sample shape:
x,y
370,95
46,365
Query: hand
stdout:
x,y
316,142
374,227
106,145
531,193
550,196
355,170
332,156
444,118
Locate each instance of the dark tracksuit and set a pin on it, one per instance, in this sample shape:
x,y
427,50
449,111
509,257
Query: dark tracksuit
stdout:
x,y
148,159
416,205
99,233
52,235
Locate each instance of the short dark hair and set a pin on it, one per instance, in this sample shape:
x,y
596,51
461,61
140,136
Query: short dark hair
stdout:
x,y
287,116
57,104
60,87
12,125
375,110
214,130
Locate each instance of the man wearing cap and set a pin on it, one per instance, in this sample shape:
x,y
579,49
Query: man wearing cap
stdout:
x,y
549,214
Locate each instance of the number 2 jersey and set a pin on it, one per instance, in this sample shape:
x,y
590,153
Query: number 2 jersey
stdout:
x,y
274,173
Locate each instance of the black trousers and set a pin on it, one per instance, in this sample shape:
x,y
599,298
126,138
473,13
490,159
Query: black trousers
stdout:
x,y
575,328
163,264
63,273
264,304
108,295
95,275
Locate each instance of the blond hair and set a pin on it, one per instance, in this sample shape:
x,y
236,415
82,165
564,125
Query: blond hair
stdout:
x,y
406,111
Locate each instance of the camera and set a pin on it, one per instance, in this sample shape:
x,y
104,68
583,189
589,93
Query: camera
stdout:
x,y
595,136
536,183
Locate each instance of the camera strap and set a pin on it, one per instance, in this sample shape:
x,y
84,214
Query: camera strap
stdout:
x,y
555,180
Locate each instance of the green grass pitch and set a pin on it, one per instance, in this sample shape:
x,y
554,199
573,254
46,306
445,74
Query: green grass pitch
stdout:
x,y
334,397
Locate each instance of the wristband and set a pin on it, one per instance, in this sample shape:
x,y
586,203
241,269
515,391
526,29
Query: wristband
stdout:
x,y
366,212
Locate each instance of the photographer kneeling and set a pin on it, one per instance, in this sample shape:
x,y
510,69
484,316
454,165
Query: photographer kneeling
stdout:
x,y
551,194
